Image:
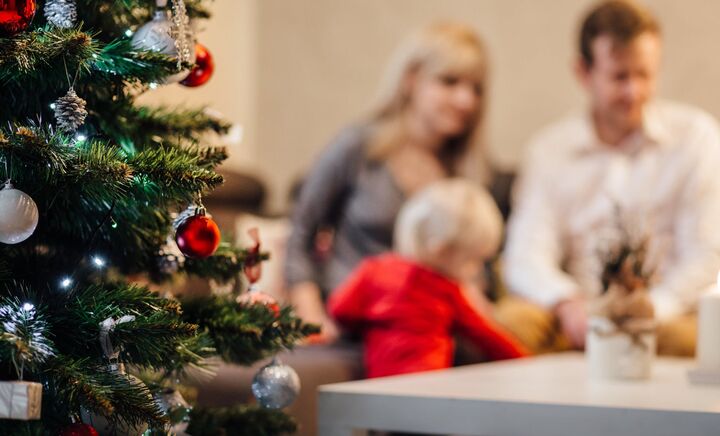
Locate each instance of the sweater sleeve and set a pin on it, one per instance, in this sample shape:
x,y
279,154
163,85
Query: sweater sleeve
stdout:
x,y
484,333
348,303
322,193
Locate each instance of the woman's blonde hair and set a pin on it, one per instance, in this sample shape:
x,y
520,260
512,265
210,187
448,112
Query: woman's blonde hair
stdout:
x,y
451,213
442,48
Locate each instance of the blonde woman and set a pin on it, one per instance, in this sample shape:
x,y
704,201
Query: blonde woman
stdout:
x,y
425,127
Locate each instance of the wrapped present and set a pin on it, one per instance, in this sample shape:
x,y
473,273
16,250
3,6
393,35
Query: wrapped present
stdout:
x,y
20,400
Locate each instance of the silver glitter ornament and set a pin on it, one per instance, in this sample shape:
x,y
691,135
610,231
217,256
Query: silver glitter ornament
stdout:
x,y
61,13
276,385
70,111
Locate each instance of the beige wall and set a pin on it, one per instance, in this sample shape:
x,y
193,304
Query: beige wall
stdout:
x,y
232,38
295,71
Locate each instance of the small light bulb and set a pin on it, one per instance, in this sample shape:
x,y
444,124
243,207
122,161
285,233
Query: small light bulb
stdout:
x,y
27,307
52,106
80,137
153,85
66,282
128,33
98,261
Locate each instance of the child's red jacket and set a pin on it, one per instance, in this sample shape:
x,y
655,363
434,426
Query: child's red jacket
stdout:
x,y
407,314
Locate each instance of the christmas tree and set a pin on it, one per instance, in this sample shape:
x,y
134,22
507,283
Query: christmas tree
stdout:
x,y
99,193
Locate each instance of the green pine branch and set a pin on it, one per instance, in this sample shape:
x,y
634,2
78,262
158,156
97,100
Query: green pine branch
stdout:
x,y
188,123
31,56
116,17
113,194
24,335
241,420
226,264
245,334
39,66
135,191
84,385
157,331
151,340
211,157
119,59
172,172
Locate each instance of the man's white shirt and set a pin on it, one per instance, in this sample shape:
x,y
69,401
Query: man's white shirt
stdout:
x,y
663,182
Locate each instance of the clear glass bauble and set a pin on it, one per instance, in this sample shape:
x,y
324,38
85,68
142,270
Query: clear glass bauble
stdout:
x,y
156,35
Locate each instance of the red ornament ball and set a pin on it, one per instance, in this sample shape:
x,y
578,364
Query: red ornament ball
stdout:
x,y
198,236
203,69
79,429
16,15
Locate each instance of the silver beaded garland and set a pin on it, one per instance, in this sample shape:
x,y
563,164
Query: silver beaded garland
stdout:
x,y
181,32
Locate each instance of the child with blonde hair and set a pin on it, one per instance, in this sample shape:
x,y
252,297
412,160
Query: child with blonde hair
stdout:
x,y
407,305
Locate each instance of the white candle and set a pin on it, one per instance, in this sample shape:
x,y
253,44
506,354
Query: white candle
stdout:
x,y
708,343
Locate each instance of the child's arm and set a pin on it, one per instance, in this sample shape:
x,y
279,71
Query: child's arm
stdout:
x,y
347,303
485,333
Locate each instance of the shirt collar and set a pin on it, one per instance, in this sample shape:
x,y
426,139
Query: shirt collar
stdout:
x,y
652,132
654,126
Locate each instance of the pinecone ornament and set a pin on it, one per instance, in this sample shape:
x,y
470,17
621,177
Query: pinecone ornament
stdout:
x,y
61,13
70,111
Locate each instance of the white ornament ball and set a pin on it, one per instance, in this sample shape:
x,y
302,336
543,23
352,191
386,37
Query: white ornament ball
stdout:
x,y
276,385
18,215
156,35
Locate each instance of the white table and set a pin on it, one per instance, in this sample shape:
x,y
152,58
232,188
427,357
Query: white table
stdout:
x,y
543,396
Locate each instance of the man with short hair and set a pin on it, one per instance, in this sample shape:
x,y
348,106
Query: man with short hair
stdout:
x,y
626,156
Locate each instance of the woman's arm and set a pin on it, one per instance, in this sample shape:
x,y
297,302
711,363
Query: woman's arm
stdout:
x,y
323,192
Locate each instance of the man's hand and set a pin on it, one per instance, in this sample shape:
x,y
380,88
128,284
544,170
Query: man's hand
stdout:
x,y
573,320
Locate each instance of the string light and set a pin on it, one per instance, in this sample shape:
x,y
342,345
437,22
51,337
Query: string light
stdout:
x,y
28,307
66,282
98,261
128,33
153,85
